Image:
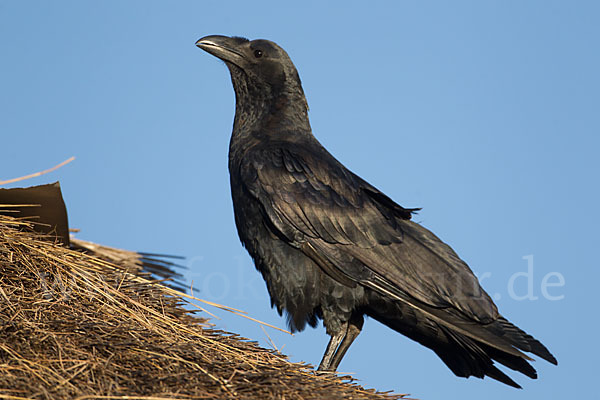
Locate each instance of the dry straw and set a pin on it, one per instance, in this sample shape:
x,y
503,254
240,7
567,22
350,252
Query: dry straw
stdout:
x,y
87,323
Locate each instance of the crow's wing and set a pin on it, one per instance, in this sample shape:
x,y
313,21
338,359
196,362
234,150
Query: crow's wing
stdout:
x,y
356,233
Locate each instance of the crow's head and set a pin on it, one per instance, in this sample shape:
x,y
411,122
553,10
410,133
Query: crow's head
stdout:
x,y
257,65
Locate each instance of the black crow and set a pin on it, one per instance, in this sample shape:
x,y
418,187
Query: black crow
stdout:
x,y
331,246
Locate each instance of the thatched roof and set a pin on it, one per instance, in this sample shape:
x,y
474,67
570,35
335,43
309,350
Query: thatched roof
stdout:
x,y
76,323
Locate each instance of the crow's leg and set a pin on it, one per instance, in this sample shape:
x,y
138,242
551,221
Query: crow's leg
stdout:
x,y
332,346
354,327
340,343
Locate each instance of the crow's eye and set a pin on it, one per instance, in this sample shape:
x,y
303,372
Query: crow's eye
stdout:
x,y
258,53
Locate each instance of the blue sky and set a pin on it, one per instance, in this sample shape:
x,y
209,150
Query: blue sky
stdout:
x,y
484,113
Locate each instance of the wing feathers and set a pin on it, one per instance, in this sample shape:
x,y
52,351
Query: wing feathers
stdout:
x,y
359,235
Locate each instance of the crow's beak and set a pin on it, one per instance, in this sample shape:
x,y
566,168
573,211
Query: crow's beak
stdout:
x,y
223,47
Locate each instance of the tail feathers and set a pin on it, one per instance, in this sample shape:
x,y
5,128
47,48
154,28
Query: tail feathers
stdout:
x,y
500,376
467,358
471,351
464,356
515,363
521,339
